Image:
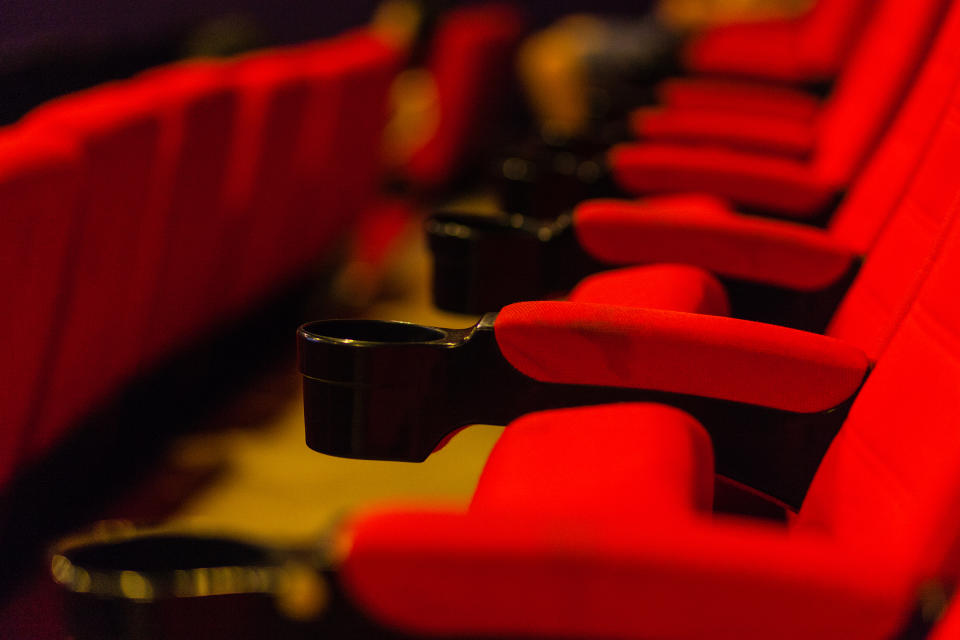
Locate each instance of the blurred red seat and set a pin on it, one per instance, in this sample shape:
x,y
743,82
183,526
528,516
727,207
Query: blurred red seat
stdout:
x,y
808,49
39,180
118,131
778,167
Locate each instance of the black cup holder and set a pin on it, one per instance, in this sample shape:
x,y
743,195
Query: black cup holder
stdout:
x,y
161,586
543,181
156,554
482,263
371,331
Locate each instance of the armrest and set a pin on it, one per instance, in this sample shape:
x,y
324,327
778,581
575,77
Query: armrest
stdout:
x,y
780,185
528,575
773,252
571,461
741,97
760,50
746,131
677,352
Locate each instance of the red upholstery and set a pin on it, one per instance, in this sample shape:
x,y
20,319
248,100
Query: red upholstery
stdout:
x,y
748,131
715,357
530,574
807,49
894,469
199,108
118,130
889,278
847,128
470,60
335,133
272,113
771,251
674,457
738,97
672,287
948,627
779,253
864,101
880,520
779,185
38,201
270,198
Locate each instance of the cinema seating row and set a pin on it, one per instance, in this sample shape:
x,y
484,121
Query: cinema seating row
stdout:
x,y
614,521
601,521
141,215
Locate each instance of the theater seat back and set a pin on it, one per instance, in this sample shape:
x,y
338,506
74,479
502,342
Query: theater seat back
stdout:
x,y
471,62
199,108
338,165
39,180
873,84
828,32
271,116
118,131
878,190
891,478
890,277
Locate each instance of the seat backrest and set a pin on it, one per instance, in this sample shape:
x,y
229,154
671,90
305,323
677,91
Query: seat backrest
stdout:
x,y
470,61
272,113
897,263
828,32
39,178
876,193
891,478
118,130
873,84
338,161
198,106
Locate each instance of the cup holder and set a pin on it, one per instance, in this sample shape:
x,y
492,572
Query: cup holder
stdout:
x,y
466,226
163,565
370,332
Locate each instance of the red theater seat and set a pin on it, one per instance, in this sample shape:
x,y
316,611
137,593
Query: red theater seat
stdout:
x,y
811,48
119,131
788,166
39,177
346,80
272,113
878,522
199,107
470,59
905,170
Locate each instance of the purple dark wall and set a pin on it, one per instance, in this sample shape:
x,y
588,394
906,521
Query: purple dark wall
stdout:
x,y
26,24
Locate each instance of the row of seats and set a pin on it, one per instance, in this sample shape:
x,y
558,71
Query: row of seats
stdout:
x,y
140,215
600,521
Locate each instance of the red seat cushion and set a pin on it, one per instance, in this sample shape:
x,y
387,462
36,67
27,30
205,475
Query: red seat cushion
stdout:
x,y
657,455
676,287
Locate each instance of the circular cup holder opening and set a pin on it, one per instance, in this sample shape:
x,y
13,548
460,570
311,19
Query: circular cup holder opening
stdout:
x,y
166,553
371,331
466,226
